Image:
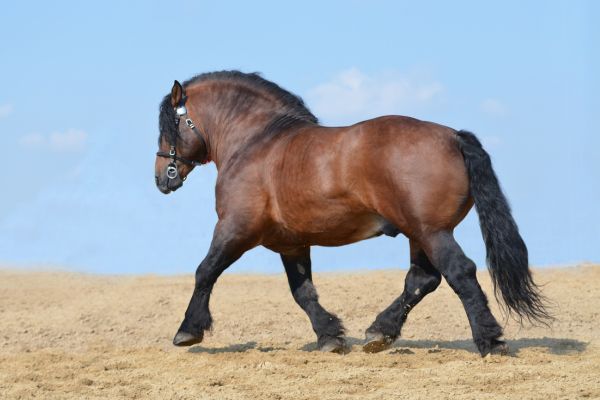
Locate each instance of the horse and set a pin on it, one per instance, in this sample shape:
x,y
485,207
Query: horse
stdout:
x,y
287,183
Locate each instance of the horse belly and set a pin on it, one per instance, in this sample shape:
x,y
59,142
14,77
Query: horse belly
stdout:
x,y
335,230
347,232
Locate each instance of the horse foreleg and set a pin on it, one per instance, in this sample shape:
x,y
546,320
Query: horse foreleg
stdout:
x,y
422,278
327,326
227,246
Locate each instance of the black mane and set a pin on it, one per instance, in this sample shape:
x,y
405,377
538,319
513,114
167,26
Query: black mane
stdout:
x,y
293,110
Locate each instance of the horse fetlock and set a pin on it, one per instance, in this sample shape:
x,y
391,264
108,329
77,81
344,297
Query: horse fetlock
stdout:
x,y
486,333
327,324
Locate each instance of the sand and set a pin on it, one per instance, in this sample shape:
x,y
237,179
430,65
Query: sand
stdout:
x,y
67,335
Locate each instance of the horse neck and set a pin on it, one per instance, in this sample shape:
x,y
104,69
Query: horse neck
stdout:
x,y
229,126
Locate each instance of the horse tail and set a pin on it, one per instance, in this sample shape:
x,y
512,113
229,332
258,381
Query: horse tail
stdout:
x,y
507,257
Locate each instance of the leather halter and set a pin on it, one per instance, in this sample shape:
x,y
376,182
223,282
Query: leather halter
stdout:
x,y
172,171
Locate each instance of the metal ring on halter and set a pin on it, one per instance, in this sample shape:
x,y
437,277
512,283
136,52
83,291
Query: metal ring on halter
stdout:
x,y
172,171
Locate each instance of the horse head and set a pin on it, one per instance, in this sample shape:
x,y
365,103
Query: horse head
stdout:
x,y
181,146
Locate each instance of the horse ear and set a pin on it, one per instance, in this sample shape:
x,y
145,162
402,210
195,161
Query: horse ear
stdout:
x,y
176,94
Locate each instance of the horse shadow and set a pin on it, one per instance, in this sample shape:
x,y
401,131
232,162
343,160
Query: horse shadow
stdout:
x,y
557,346
233,348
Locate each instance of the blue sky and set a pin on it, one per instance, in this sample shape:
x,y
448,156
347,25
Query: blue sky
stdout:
x,y
80,85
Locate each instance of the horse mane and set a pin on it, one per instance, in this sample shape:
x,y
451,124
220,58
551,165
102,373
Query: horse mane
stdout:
x,y
292,112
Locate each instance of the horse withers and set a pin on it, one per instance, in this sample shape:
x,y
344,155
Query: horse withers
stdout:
x,y
287,183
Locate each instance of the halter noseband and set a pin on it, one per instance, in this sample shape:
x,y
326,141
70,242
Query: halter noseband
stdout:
x,y
172,171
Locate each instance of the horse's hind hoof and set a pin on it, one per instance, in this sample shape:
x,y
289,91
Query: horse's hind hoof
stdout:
x,y
330,344
186,339
499,347
376,342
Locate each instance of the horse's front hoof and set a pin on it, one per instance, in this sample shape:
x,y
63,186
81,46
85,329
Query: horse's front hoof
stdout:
x,y
330,344
376,342
186,339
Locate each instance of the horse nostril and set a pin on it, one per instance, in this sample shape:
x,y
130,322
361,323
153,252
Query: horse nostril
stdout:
x,y
156,179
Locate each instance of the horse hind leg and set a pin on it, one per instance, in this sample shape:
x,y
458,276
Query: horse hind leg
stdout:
x,y
422,278
460,273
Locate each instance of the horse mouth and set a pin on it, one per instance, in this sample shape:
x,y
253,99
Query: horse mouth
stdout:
x,y
163,187
166,188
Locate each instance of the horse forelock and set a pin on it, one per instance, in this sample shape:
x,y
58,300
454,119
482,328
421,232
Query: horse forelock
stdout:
x,y
166,122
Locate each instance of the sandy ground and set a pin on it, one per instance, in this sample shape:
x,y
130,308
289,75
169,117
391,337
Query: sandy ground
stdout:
x,y
66,335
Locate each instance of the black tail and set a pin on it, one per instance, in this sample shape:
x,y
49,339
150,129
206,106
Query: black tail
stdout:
x,y
506,252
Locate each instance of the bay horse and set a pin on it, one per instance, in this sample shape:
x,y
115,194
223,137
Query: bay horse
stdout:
x,y
287,183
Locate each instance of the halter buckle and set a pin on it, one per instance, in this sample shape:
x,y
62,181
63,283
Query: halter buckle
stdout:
x,y
172,152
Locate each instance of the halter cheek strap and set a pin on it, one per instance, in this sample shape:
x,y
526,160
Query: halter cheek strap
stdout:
x,y
172,171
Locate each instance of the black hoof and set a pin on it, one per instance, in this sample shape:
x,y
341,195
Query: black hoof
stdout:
x,y
186,339
376,342
499,347
331,344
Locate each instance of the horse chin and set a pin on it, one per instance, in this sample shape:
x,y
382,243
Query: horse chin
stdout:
x,y
174,187
164,190
169,186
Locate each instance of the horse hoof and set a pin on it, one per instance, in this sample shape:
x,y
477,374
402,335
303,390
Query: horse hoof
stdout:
x,y
331,344
499,347
186,339
376,342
